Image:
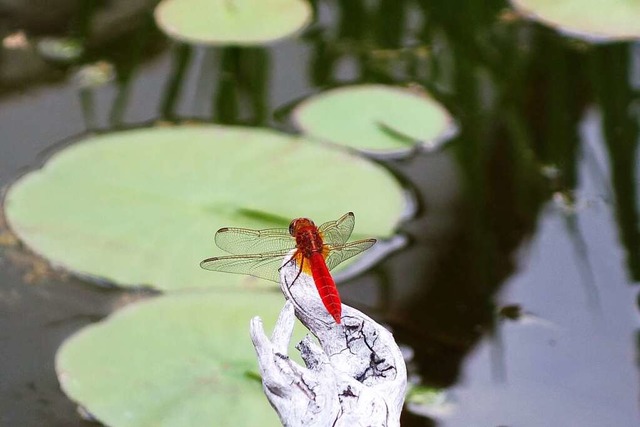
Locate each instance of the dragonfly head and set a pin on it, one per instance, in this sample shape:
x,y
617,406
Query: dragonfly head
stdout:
x,y
299,224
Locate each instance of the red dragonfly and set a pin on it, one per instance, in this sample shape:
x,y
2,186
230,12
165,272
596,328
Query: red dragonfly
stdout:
x,y
260,253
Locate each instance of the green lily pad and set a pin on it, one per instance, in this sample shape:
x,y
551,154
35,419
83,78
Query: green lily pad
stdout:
x,y
141,207
236,22
594,20
376,119
172,361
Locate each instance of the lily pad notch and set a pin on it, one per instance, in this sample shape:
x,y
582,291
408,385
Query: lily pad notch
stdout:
x,y
379,120
140,207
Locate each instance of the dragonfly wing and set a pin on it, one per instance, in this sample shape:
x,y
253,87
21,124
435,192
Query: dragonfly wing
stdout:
x,y
244,241
337,232
342,253
264,265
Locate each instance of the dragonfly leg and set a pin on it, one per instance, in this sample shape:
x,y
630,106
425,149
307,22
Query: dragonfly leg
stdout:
x,y
288,261
299,271
288,285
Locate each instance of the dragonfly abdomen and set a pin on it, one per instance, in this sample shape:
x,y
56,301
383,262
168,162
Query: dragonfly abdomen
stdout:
x,y
326,286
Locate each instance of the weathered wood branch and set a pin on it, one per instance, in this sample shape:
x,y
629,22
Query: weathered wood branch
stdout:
x,y
356,376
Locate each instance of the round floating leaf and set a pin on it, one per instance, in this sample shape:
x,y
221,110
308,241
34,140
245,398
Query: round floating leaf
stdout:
x,y
141,207
374,118
179,361
237,22
595,20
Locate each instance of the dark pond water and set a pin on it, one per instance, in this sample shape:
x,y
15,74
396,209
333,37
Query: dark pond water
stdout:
x,y
518,294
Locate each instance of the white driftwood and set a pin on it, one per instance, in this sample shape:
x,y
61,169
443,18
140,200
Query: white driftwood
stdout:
x,y
356,377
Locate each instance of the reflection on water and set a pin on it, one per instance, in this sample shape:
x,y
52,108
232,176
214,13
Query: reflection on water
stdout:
x,y
532,205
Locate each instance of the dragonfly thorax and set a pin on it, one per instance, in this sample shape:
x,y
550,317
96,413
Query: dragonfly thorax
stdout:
x,y
308,239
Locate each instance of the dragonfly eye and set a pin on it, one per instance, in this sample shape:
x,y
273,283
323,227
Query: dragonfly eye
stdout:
x,y
292,228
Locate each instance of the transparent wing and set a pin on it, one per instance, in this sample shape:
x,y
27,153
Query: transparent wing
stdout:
x,y
337,232
264,265
342,253
244,241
